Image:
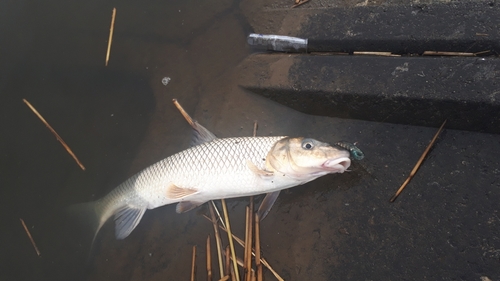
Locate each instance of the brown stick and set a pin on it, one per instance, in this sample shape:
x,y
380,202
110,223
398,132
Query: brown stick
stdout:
x,y
230,238
225,278
300,3
111,34
382,54
228,261
55,134
437,53
255,128
193,265
217,239
29,236
248,246
419,162
218,214
245,248
209,260
262,260
257,248
183,112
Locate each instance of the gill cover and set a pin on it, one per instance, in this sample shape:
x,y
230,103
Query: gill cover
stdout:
x,y
297,157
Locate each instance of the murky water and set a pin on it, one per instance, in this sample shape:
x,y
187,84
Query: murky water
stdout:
x,y
119,119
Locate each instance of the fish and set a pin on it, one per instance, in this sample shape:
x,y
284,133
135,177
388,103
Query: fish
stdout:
x,y
216,168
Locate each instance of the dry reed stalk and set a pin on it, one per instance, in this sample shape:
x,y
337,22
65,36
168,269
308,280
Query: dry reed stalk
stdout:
x,y
184,113
218,214
230,238
29,236
193,265
458,54
300,3
217,239
262,260
111,34
227,268
55,134
245,248
419,163
381,54
225,278
257,248
209,260
248,246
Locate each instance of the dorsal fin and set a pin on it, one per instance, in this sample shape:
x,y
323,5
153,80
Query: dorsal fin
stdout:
x,y
201,134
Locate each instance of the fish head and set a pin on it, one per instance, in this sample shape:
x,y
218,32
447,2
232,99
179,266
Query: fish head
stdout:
x,y
306,158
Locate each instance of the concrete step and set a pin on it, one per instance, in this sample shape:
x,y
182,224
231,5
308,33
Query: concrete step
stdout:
x,y
420,91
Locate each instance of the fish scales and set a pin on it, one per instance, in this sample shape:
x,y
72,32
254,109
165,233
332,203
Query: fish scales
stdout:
x,y
212,168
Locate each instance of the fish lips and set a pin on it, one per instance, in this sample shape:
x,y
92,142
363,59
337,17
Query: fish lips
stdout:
x,y
337,165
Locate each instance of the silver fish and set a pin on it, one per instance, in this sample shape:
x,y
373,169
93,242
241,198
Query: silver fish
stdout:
x,y
216,168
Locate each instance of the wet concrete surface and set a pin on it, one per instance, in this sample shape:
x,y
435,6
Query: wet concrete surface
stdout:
x,y
118,120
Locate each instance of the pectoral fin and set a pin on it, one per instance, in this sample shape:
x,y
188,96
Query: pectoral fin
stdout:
x,y
261,173
186,206
175,192
267,204
126,219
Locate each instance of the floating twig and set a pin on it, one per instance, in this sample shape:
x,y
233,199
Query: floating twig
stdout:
x,y
419,162
193,265
230,238
227,268
481,52
255,125
217,239
218,214
209,260
184,113
300,3
55,134
31,238
257,247
111,34
242,244
382,54
248,245
458,54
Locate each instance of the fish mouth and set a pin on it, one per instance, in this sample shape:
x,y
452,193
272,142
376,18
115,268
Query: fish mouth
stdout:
x,y
338,165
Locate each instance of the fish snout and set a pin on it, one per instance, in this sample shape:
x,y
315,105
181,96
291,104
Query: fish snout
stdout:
x,y
338,165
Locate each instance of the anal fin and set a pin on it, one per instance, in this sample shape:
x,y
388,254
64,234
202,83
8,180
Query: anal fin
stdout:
x,y
186,206
126,219
267,204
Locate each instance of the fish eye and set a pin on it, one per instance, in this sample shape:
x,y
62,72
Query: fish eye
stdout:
x,y
307,144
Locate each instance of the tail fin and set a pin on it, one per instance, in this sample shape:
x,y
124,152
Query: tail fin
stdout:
x,y
94,214
90,215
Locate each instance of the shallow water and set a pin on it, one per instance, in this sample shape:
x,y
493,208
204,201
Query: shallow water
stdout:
x,y
120,119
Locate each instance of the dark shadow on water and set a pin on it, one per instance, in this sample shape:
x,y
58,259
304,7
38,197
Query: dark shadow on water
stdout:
x,y
102,114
